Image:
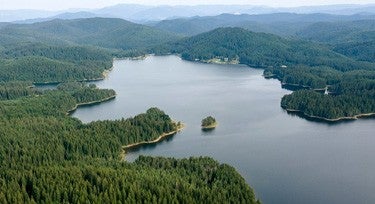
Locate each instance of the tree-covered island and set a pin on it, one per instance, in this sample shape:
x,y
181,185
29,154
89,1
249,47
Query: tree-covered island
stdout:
x,y
209,123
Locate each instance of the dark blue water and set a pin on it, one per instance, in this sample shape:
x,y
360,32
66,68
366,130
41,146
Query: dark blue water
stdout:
x,y
285,158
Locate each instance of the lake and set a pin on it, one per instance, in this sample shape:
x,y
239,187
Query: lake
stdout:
x,y
285,158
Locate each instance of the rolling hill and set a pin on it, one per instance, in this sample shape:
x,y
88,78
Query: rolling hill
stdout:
x,y
354,39
339,32
68,50
257,50
283,24
103,32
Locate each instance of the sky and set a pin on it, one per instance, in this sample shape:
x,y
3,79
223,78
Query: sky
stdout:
x,y
91,4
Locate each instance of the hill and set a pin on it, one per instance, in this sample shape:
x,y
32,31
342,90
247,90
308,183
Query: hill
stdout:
x,y
103,32
71,50
257,50
283,24
355,39
352,35
41,63
63,16
142,13
339,32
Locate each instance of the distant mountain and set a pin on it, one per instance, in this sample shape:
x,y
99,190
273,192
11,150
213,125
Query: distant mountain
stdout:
x,y
355,39
141,13
103,32
24,14
151,13
338,9
339,32
124,11
284,24
3,24
76,15
64,16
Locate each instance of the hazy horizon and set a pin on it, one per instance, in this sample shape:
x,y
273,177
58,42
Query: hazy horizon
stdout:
x,y
96,4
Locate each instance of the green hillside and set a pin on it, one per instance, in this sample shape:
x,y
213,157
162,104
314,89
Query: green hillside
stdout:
x,y
293,62
354,38
363,51
71,50
103,32
41,63
339,32
282,24
258,50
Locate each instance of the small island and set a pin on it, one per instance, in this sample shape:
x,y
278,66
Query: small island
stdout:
x,y
209,123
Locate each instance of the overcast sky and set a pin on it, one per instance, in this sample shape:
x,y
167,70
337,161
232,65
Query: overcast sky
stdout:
x,y
66,4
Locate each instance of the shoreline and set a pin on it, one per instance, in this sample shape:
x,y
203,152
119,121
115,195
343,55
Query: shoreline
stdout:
x,y
140,57
59,82
160,138
303,86
90,103
105,74
220,61
355,117
299,86
210,126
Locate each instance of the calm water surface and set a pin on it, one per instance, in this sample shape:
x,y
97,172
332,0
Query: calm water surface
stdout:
x,y
285,158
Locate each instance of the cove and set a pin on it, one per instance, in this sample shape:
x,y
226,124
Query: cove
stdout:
x,y
285,158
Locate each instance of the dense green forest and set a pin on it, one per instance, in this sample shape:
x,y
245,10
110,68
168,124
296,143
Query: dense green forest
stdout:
x,y
16,89
258,50
148,180
86,94
71,50
39,131
315,104
364,51
294,62
354,39
339,32
51,157
42,63
352,94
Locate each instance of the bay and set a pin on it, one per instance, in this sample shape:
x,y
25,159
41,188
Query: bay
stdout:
x,y
285,158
